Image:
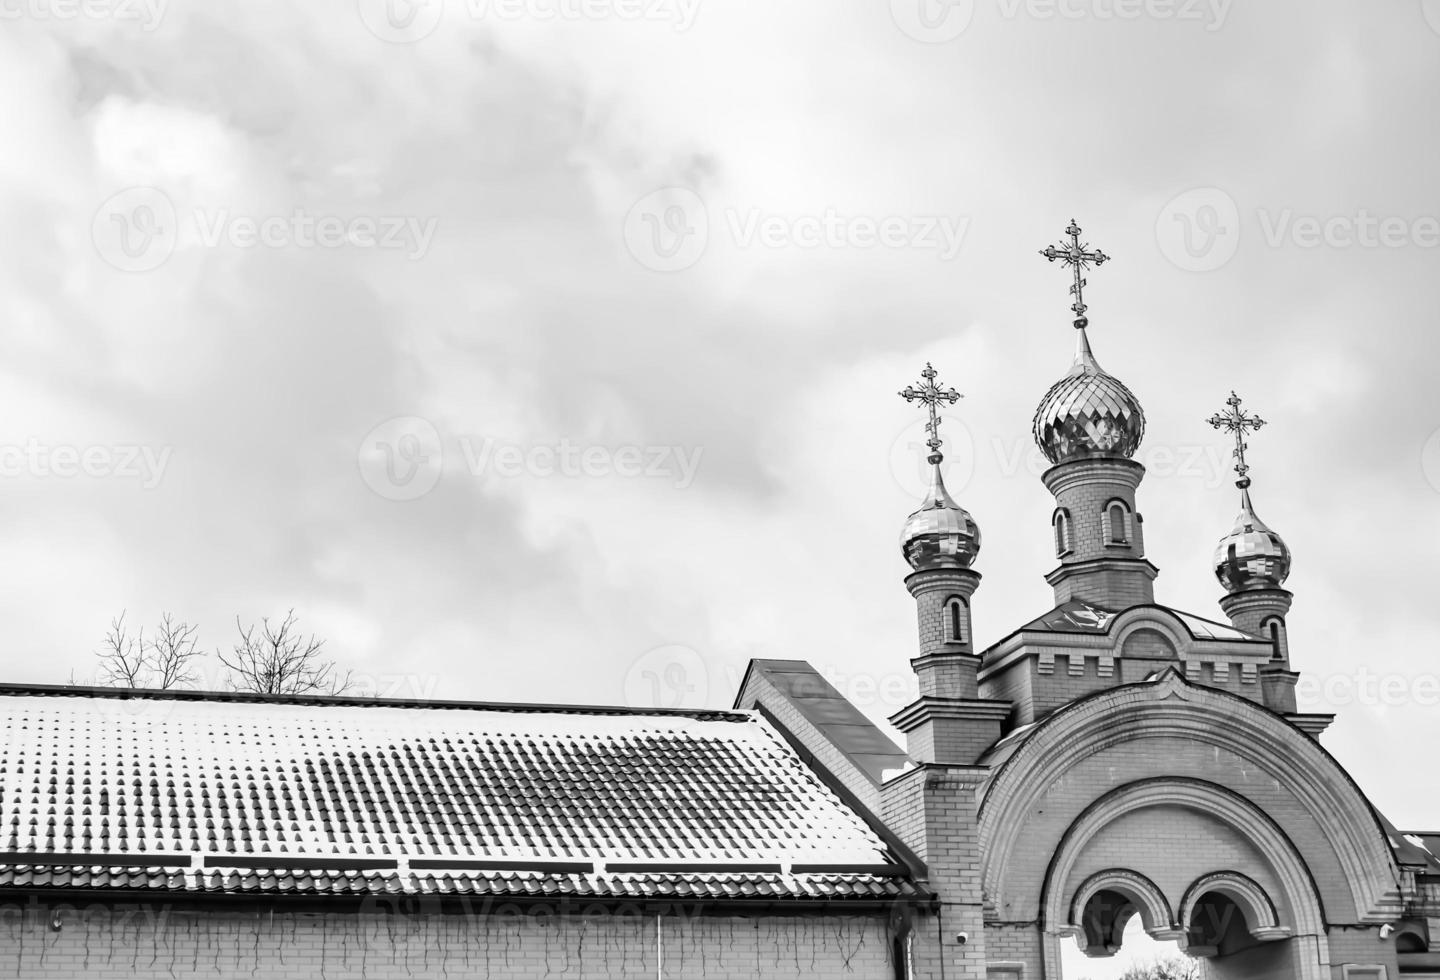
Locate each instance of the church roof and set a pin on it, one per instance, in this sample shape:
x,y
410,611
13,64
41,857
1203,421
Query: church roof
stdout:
x,y
1078,616
111,789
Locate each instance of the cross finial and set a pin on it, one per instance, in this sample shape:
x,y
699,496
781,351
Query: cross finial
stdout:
x,y
1079,257
1238,421
932,396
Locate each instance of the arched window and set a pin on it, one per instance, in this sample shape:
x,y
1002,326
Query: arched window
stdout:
x,y
1117,522
955,619
1273,627
1061,522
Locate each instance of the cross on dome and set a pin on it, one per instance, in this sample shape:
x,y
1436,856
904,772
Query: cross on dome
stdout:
x,y
1238,422
1078,257
932,396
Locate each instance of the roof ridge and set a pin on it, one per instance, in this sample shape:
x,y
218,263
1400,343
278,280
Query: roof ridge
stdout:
x,y
342,700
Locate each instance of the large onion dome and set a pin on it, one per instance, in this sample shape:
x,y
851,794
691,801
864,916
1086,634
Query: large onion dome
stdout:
x,y
1088,413
941,534
1251,556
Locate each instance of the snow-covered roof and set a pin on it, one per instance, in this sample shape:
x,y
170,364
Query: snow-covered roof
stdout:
x,y
234,793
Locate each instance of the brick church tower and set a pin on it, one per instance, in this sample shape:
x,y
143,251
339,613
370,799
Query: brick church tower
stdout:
x,y
1118,758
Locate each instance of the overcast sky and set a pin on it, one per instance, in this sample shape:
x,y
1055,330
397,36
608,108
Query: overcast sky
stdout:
x,y
548,351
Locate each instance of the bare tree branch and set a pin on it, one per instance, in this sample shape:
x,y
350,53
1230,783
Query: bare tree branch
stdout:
x,y
278,659
171,653
122,659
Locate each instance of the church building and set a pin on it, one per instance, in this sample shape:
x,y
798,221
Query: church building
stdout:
x,y
1113,758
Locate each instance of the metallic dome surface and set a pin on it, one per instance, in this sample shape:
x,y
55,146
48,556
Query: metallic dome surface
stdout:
x,y
1088,413
1251,556
941,534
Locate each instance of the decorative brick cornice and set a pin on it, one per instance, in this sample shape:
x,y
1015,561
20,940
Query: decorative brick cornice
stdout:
x,y
963,581
1091,566
1058,479
921,710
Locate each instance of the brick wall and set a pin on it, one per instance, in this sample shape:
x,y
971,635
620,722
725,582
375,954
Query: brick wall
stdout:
x,y
108,941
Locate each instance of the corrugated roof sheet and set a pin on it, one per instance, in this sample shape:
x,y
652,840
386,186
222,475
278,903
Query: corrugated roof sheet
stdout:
x,y
224,795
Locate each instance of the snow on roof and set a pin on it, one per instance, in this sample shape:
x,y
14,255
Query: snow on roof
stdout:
x,y
99,778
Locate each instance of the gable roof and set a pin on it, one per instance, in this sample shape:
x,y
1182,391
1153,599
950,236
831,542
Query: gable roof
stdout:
x,y
243,793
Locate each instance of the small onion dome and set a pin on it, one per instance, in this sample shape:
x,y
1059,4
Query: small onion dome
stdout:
x,y
1088,413
941,534
1251,556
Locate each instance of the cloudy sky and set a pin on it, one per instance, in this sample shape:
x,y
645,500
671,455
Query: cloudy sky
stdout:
x,y
542,350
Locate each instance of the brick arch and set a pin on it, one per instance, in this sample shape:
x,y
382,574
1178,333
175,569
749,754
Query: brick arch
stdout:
x,y
1140,891
1261,917
1154,619
1307,920
1170,707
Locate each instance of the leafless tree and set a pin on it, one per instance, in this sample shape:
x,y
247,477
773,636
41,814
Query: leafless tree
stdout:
x,y
166,661
123,660
278,659
1164,968
173,652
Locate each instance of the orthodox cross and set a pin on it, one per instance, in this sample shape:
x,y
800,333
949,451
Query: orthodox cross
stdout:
x,y
932,396
1238,421
1079,257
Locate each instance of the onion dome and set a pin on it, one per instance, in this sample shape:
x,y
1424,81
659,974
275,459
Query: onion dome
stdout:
x,y
1088,413
941,534
1251,556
